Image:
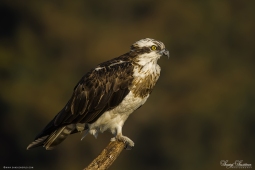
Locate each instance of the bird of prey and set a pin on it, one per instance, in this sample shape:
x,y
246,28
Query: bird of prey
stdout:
x,y
105,96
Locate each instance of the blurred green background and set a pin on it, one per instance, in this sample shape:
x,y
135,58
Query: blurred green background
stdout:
x,y
201,111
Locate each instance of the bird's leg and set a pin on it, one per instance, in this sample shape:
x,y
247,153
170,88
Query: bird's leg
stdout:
x,y
129,143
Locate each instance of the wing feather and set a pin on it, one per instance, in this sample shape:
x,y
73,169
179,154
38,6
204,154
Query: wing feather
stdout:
x,y
97,92
100,90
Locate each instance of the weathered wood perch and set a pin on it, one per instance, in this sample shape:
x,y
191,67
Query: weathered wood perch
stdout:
x,y
107,156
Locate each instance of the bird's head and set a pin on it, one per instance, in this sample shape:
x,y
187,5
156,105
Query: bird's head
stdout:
x,y
148,50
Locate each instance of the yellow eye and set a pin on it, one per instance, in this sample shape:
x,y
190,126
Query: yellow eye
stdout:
x,y
153,48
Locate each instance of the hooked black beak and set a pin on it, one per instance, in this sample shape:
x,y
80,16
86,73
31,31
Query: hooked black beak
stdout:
x,y
164,52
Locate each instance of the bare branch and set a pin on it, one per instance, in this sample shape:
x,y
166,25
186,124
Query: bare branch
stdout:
x,y
107,156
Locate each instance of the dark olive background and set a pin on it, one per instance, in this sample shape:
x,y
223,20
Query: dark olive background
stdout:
x,y
201,111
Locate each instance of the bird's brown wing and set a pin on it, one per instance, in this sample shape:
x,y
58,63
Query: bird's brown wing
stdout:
x,y
100,90
97,92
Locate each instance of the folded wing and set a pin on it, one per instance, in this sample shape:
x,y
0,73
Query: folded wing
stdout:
x,y
100,90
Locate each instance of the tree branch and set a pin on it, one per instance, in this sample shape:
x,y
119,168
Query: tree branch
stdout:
x,y
107,156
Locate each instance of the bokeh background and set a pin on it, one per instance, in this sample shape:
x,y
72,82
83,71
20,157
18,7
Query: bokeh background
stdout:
x,y
201,111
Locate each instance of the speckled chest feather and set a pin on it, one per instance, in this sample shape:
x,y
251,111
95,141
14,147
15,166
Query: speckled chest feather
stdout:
x,y
145,78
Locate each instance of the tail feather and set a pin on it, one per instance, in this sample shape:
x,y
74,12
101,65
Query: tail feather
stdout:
x,y
55,138
37,142
58,136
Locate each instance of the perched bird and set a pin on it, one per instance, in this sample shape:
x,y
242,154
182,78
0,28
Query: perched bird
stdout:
x,y
105,96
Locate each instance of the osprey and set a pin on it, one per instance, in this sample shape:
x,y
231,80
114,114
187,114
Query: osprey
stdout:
x,y
105,96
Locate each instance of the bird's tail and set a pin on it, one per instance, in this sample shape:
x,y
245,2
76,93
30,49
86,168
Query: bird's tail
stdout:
x,y
53,139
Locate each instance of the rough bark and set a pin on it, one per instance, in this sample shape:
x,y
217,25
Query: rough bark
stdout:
x,y
107,156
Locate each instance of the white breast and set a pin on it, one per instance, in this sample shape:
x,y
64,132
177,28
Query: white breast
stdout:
x,y
116,117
